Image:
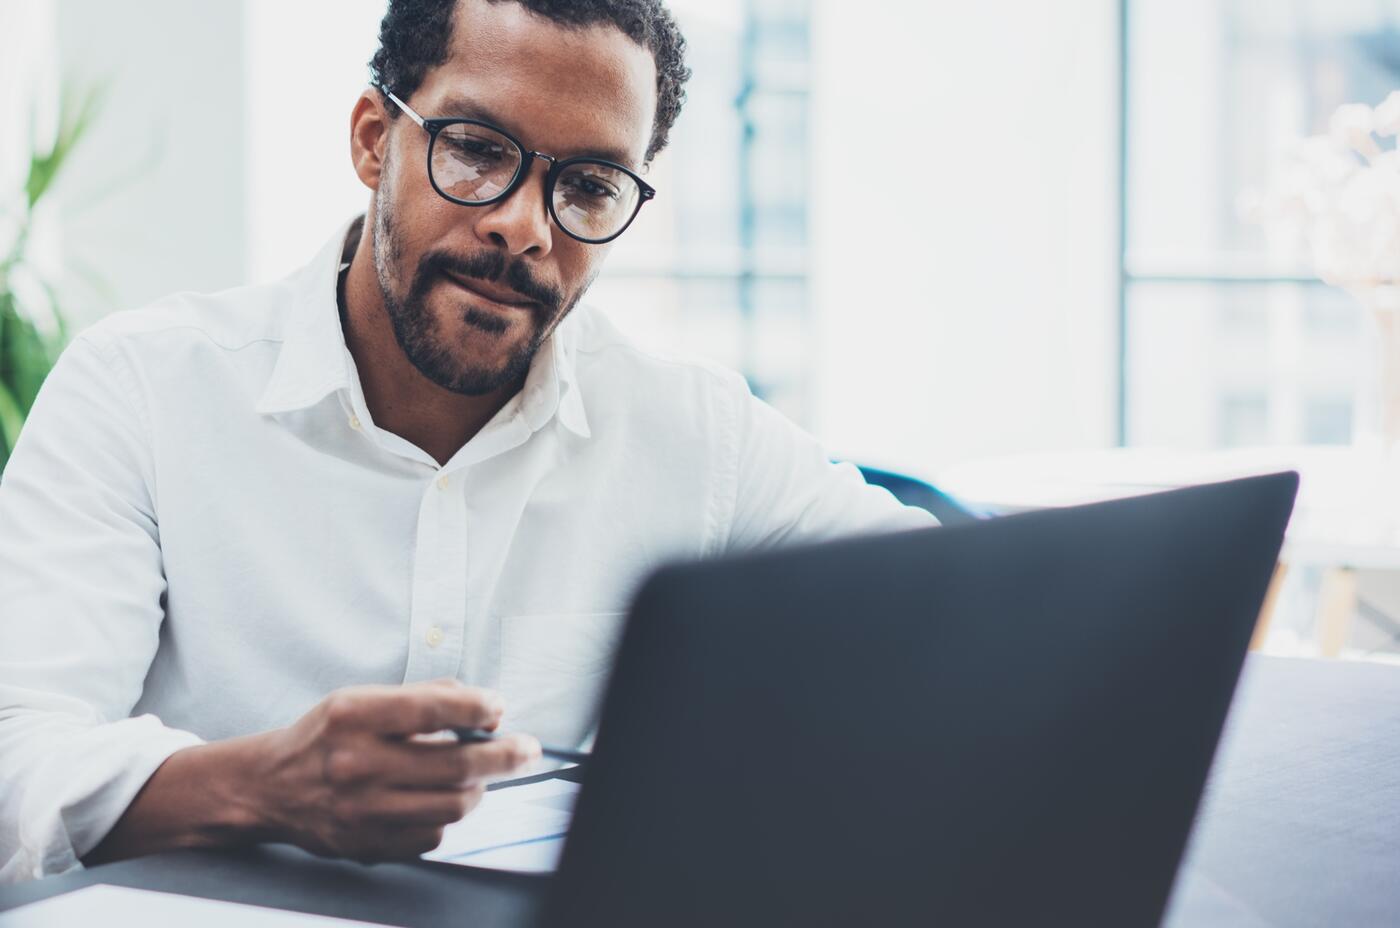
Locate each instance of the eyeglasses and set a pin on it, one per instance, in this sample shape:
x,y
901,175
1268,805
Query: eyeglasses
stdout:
x,y
476,164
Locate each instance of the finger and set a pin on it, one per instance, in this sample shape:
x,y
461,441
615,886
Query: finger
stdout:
x,y
412,709
454,683
447,764
396,844
427,764
414,842
505,756
414,807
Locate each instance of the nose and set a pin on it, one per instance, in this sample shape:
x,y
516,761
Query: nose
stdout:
x,y
520,223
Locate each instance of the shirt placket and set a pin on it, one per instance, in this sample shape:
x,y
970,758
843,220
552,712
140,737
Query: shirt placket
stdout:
x,y
439,615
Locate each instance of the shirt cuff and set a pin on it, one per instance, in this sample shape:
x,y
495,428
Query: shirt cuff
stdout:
x,y
75,796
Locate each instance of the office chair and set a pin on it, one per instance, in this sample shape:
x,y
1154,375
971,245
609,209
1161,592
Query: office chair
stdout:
x,y
914,492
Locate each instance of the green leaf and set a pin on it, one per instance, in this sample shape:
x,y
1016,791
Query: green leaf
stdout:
x,y
76,111
28,352
59,338
25,356
11,420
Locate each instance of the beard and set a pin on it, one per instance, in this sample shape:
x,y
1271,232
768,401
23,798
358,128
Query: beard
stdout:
x,y
449,363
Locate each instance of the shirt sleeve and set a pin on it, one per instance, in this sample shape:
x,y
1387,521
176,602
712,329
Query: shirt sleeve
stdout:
x,y
787,490
81,588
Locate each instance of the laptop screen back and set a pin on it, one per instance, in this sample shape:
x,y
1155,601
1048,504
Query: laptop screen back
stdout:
x,y
1003,723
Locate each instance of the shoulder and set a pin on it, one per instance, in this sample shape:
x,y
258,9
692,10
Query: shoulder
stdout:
x,y
612,363
223,322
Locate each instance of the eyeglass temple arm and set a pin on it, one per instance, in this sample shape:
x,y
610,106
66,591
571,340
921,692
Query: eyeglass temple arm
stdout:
x,y
401,105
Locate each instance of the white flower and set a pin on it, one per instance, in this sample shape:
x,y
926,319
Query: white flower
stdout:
x,y
1327,162
1386,118
1388,162
1340,193
1351,126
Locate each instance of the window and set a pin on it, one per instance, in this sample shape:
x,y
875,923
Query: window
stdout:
x,y
1225,343
717,264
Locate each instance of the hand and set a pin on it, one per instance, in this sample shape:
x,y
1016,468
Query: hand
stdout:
x,y
349,779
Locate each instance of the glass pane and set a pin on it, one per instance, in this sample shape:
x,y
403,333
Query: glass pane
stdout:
x,y
473,163
594,200
1241,364
756,327
781,39
780,341
1217,91
732,196
778,182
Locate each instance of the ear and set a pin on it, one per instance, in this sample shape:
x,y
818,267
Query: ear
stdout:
x,y
369,135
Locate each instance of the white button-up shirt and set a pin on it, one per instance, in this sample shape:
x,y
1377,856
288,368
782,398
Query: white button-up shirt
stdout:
x,y
203,532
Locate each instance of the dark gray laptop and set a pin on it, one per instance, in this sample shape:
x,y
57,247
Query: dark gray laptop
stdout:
x,y
1007,723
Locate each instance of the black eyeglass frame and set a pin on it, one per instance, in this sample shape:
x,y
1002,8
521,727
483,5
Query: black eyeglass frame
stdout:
x,y
527,159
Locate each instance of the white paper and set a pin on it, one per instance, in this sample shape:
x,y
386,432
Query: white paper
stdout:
x,y
123,907
518,828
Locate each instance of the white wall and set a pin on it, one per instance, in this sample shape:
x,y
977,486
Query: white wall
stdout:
x,y
152,201
28,112
306,64
27,76
222,156
965,274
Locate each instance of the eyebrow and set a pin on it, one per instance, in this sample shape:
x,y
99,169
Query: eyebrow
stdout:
x,y
469,109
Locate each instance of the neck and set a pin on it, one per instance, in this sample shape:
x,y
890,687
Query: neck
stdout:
x,y
400,399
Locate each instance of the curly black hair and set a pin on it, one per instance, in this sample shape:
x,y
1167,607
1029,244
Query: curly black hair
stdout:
x,y
415,34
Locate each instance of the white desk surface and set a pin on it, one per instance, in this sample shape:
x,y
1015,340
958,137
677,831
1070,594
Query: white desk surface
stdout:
x,y
1348,511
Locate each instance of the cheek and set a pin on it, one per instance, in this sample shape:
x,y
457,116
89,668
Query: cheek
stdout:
x,y
429,224
420,216
579,264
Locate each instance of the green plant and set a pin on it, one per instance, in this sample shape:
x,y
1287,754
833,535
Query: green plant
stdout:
x,y
28,350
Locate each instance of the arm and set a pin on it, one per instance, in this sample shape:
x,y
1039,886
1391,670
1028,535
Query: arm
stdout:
x,y
788,491
80,588
347,780
81,581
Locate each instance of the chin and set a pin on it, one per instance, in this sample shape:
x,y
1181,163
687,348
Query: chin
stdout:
x,y
482,373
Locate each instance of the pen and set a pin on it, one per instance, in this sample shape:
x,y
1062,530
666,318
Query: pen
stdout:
x,y
481,735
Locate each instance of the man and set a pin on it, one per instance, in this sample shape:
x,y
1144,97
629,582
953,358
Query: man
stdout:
x,y
253,550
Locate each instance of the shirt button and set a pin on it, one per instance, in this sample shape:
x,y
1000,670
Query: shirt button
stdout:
x,y
443,481
355,423
434,637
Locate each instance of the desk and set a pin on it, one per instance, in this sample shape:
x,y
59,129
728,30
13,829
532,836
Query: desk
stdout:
x,y
1300,827
1301,819
1347,517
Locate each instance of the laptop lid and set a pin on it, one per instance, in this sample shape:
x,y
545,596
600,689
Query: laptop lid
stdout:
x,y
1001,723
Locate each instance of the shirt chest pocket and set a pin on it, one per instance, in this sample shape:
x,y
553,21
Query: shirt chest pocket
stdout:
x,y
552,671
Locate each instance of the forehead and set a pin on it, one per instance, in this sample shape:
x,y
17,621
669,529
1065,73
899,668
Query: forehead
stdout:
x,y
560,89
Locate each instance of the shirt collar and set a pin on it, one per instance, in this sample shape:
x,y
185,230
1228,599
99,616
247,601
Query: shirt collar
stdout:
x,y
314,362
311,363
552,387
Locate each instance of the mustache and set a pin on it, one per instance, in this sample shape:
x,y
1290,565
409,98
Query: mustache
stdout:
x,y
490,266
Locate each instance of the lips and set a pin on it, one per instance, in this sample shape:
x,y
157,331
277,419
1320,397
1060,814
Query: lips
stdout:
x,y
499,298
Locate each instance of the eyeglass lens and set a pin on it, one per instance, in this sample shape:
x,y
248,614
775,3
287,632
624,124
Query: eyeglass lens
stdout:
x,y
475,164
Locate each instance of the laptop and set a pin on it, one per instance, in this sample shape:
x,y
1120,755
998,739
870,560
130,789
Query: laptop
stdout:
x,y
1004,723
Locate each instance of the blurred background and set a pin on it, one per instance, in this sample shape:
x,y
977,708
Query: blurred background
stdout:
x,y
877,212
995,246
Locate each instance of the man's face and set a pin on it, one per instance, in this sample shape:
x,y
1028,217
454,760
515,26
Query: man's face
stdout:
x,y
473,292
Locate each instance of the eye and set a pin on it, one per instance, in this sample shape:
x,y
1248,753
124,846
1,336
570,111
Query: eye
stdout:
x,y
474,147
591,186
482,148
